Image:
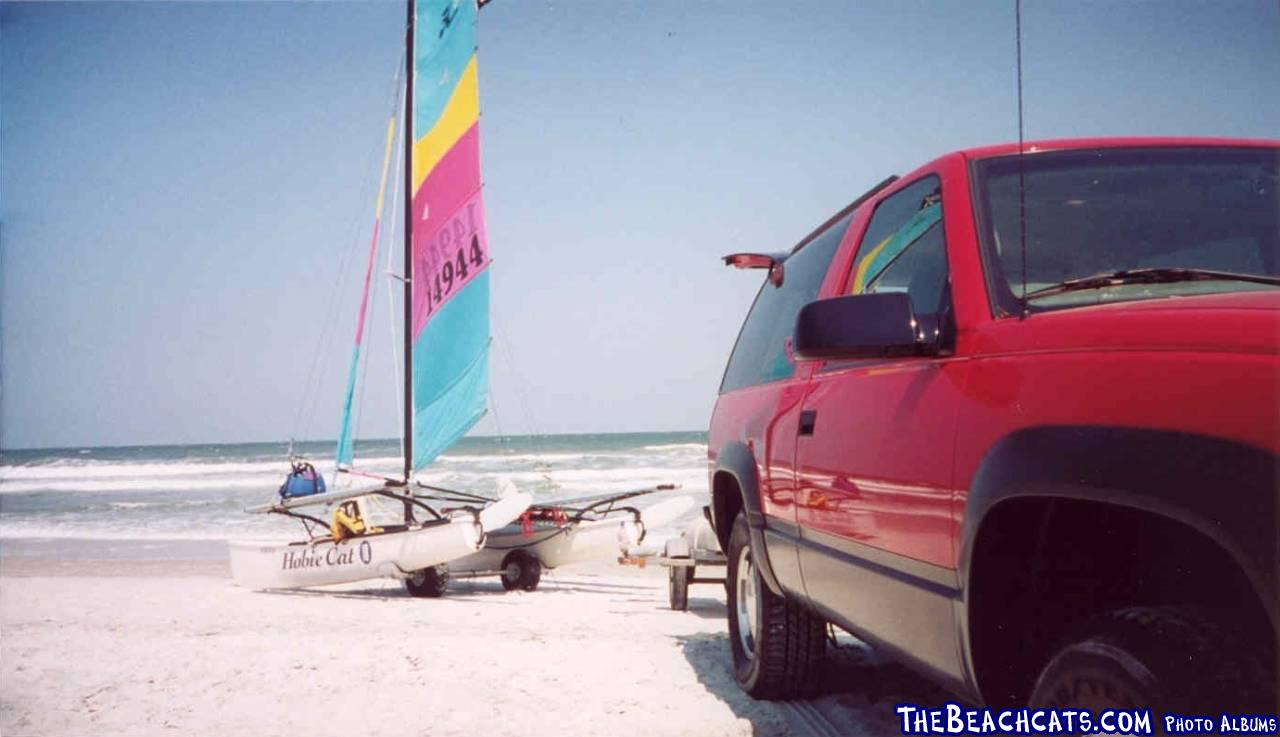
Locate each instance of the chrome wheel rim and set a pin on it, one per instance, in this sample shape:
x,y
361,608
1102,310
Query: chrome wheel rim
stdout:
x,y
746,606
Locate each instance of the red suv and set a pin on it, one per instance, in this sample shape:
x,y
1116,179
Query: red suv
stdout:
x,y
1014,419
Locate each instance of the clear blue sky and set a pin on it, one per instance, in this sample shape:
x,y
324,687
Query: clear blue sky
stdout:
x,y
179,184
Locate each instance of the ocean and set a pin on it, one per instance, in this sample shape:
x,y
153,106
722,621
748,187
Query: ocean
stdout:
x,y
199,492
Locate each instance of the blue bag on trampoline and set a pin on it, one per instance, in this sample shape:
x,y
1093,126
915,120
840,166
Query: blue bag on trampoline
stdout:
x,y
302,481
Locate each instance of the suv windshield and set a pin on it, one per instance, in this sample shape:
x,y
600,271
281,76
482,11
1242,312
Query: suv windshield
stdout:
x,y
1108,225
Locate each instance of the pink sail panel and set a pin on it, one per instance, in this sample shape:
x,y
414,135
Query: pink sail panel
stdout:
x,y
368,277
453,180
447,258
450,241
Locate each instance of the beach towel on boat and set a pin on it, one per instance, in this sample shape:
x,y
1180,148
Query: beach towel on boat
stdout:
x,y
302,481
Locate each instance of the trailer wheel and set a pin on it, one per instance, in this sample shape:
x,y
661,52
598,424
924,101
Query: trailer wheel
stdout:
x,y
521,571
429,582
530,573
679,587
510,574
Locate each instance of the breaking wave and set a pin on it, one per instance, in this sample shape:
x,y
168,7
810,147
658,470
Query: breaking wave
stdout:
x,y
199,493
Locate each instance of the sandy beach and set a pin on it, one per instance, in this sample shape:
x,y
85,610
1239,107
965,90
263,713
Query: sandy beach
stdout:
x,y
133,645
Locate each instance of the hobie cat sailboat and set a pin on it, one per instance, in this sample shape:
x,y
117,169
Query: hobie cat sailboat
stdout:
x,y
446,326
446,339
567,531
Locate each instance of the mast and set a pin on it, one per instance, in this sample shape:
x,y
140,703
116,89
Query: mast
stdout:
x,y
408,249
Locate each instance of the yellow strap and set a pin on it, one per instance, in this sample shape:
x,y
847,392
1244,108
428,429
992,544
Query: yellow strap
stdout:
x,y
344,525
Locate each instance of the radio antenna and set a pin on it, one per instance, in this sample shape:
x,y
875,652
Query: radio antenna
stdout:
x,y
1022,186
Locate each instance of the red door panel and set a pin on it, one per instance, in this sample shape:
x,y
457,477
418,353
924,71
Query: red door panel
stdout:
x,y
877,468
757,415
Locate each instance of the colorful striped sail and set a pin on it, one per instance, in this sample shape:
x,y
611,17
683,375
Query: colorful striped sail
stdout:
x,y
883,254
450,281
345,440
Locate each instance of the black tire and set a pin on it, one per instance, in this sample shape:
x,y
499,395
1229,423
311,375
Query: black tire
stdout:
x,y
429,583
510,576
1165,659
776,660
678,587
530,573
521,571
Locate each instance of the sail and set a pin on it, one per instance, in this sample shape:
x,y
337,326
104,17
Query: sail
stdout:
x,y
345,440
450,282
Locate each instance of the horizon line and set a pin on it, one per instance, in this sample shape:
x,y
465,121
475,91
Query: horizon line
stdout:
x,y
332,441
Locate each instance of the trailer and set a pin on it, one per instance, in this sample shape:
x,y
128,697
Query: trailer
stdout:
x,y
696,548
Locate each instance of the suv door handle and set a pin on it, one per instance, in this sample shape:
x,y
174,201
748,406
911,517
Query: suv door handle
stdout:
x,y
808,418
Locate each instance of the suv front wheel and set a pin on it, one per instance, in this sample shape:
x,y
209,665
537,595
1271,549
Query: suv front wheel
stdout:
x,y
774,641
1160,658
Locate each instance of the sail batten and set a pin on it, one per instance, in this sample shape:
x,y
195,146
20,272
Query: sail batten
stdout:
x,y
450,283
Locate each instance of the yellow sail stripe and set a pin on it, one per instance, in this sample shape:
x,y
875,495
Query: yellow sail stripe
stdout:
x,y
461,112
860,275
386,164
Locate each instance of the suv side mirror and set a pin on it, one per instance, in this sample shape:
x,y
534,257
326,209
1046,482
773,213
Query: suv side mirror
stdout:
x,y
864,326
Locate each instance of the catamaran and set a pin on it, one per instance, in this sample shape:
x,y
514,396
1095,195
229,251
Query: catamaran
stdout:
x,y
568,531
400,527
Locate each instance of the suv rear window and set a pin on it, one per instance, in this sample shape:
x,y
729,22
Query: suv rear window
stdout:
x,y
759,356
1097,212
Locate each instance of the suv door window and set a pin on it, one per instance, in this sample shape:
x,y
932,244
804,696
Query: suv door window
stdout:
x,y
904,250
921,272
760,355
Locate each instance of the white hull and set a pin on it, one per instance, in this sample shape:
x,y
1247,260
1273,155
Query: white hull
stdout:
x,y
259,565
555,546
394,554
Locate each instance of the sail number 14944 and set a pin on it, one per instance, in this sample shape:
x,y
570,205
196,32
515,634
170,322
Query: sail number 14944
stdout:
x,y
455,258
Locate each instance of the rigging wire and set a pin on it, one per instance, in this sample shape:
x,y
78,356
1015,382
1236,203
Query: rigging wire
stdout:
x,y
309,406
310,395
497,421
541,466
389,274
310,400
387,235
504,441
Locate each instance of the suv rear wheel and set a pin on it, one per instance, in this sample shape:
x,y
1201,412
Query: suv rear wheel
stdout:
x,y
774,641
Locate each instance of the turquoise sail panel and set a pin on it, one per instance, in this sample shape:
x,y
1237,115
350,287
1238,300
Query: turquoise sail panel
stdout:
x,y
445,42
346,443
451,371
